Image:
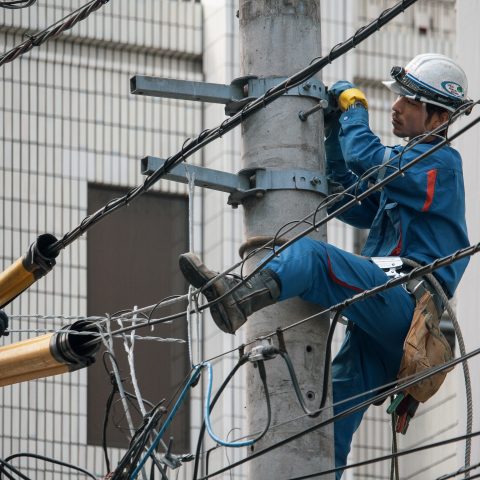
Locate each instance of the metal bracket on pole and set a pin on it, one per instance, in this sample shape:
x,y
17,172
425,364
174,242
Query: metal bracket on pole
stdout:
x,y
234,96
247,183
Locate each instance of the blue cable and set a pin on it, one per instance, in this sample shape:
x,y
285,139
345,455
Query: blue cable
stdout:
x,y
246,443
167,422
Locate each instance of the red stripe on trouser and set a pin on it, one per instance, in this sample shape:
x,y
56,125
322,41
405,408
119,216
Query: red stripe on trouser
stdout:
x,y
338,281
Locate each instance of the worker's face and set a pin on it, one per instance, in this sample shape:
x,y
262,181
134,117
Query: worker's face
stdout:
x,y
410,118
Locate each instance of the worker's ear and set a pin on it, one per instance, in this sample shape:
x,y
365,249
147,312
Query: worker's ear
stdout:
x,y
436,119
443,117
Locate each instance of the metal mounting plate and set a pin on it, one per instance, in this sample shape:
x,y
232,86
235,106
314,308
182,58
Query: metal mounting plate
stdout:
x,y
234,96
247,183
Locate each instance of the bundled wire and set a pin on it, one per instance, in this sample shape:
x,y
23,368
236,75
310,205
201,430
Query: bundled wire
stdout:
x,y
51,460
195,375
138,443
52,31
17,4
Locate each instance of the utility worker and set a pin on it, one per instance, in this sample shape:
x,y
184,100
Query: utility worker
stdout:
x,y
419,215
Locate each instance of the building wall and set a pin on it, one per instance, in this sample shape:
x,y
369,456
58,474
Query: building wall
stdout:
x,y
468,38
223,229
68,119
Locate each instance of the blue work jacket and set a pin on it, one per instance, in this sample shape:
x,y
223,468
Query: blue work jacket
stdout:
x,y
419,215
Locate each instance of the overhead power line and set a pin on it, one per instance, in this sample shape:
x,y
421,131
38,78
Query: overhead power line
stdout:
x,y
17,4
390,456
66,23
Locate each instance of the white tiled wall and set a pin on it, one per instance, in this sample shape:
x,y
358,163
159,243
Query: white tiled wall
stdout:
x,y
67,119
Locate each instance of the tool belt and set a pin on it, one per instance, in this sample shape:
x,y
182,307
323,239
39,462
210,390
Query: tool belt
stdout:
x,y
425,346
394,268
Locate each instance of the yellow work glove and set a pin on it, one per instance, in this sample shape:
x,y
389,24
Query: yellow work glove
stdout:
x,y
350,97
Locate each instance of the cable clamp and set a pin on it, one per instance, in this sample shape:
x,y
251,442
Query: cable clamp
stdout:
x,y
248,183
169,459
253,87
390,265
266,351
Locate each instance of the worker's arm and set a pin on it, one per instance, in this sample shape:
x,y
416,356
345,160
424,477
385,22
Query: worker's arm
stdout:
x,y
427,185
362,215
361,148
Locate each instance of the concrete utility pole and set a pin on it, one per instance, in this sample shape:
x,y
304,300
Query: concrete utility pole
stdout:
x,y
279,37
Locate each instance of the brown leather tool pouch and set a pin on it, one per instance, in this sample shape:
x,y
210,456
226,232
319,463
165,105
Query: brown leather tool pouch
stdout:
x,y
425,347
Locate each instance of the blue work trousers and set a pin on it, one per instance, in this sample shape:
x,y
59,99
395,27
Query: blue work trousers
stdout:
x,y
372,349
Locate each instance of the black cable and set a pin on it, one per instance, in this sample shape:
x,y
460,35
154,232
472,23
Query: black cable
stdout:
x,y
471,478
243,359
326,371
158,304
459,472
207,458
108,405
382,395
4,464
138,442
134,397
142,434
17,4
52,460
263,377
52,31
390,456
160,467
394,472
105,423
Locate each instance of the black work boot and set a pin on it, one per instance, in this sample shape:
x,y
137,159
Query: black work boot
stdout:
x,y
231,312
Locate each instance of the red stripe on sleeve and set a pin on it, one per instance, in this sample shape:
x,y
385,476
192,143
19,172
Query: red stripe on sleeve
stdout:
x,y
396,251
431,178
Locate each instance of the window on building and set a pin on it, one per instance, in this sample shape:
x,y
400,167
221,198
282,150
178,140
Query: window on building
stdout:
x,y
132,260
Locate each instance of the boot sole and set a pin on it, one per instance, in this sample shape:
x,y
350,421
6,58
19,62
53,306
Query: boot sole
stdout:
x,y
197,274
194,270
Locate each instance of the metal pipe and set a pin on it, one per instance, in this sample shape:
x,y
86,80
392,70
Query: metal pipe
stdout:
x,y
25,271
51,354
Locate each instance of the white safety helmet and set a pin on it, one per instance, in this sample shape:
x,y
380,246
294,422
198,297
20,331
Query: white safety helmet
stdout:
x,y
431,78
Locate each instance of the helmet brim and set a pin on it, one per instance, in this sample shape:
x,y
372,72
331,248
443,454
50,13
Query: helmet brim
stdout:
x,y
398,89
395,87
